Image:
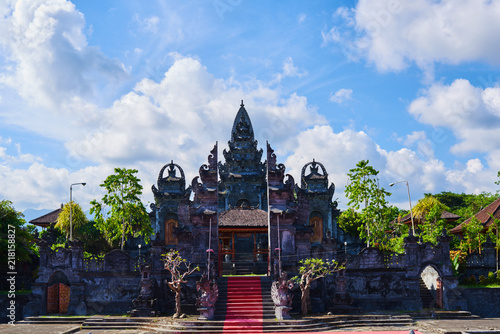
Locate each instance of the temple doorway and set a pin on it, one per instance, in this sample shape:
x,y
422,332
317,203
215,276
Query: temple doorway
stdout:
x,y
58,294
243,251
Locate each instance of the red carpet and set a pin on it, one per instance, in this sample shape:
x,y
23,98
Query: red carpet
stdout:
x,y
244,305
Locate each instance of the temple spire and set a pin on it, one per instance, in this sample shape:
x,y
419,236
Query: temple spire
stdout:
x,y
242,126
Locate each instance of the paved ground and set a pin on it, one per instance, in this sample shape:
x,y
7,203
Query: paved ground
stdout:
x,y
423,326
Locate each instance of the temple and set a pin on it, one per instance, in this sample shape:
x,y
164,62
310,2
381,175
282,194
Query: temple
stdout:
x,y
248,213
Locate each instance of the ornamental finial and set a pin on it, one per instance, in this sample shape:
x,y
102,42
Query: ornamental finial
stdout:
x,y
242,105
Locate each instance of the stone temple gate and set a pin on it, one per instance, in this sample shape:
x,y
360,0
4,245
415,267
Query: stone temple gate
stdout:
x,y
248,212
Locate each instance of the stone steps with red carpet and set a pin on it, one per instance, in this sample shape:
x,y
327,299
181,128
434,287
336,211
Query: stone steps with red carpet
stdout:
x,y
245,301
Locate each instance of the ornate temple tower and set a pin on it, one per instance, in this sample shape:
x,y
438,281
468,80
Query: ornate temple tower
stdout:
x,y
248,215
243,175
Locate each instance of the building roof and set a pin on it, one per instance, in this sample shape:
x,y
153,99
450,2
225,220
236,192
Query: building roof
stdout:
x,y
46,219
241,217
484,216
444,215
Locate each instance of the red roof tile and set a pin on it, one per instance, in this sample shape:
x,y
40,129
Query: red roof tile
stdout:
x,y
483,216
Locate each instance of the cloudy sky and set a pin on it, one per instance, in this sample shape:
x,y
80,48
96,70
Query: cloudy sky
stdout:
x,y
86,86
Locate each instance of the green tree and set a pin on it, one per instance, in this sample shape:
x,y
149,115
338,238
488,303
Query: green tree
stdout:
x,y
427,212
78,219
351,222
179,269
473,236
121,212
15,235
368,199
311,270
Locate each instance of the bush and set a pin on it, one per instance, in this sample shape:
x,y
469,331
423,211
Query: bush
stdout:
x,y
491,277
483,280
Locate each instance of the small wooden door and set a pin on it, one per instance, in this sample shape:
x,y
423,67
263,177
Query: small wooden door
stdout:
x,y
58,298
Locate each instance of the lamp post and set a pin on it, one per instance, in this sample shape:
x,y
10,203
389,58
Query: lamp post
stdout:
x,y
409,199
345,247
71,208
139,250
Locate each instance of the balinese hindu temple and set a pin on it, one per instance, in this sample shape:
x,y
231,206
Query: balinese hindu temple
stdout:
x,y
246,210
244,215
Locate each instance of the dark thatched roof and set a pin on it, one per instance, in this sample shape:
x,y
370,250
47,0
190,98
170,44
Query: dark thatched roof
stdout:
x,y
240,217
444,215
483,216
47,219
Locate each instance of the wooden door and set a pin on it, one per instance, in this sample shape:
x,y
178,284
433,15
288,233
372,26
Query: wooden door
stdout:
x,y
58,298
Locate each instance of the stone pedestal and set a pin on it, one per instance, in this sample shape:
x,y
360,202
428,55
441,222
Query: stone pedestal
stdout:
x,y
282,312
206,313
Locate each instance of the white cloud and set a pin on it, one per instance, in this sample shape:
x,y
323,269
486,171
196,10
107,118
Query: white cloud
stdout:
x,y
393,34
342,95
50,63
289,70
473,114
182,116
302,17
15,157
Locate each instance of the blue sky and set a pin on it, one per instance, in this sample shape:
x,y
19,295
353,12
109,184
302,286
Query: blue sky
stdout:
x,y
86,86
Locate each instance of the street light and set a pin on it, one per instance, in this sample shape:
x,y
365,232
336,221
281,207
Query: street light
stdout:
x,y
71,208
345,247
409,199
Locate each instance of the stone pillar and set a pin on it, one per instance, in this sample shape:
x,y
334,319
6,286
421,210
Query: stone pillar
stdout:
x,y
439,292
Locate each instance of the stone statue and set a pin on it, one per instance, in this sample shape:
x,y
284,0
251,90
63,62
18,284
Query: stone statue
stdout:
x,y
208,295
282,298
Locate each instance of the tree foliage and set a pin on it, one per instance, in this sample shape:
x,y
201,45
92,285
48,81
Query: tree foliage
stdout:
x,y
14,227
427,213
121,213
78,219
311,270
369,201
473,238
179,269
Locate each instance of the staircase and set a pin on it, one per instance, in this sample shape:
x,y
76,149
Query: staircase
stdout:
x,y
243,303
428,300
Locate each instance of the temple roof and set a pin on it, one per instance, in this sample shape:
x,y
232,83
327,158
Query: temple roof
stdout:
x,y
240,217
483,216
47,219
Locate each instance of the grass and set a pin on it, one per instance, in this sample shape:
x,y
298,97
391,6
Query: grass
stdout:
x,y
494,285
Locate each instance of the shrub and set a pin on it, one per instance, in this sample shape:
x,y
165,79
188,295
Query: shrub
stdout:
x,y
491,277
483,280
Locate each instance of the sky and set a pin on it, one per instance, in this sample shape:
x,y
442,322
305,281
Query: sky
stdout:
x,y
87,86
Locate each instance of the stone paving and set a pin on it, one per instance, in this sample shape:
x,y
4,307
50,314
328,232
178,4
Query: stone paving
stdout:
x,y
423,326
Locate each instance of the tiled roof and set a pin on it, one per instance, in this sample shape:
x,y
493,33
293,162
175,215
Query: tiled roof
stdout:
x,y
483,216
240,217
46,219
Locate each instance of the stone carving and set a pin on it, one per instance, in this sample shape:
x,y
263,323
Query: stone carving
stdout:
x,y
282,298
145,303
208,295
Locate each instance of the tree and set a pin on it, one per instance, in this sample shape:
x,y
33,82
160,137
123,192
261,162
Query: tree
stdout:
x,y
179,269
310,271
350,222
427,212
78,219
126,214
473,236
15,235
366,197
